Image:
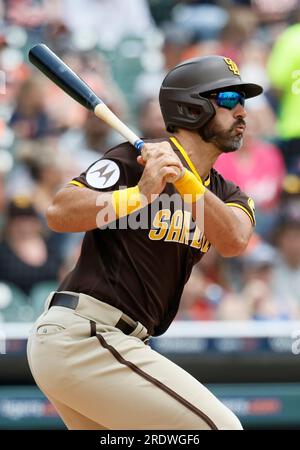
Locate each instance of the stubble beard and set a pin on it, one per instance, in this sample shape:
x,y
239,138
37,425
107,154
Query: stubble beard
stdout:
x,y
225,140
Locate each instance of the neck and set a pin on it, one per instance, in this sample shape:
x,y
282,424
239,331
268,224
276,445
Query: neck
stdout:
x,y
202,154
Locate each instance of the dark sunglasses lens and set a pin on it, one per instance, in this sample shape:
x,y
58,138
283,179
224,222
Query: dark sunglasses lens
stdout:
x,y
229,100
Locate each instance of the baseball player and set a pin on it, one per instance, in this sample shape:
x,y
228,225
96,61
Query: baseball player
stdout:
x,y
88,351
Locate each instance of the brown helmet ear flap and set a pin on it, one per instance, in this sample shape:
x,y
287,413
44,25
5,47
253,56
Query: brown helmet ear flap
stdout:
x,y
198,115
191,112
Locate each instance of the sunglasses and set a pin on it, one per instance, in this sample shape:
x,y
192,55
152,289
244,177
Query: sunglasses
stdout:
x,y
229,100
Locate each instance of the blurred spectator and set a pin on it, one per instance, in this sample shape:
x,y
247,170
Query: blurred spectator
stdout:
x,y
253,61
204,21
25,257
283,70
45,167
175,42
258,169
214,269
230,36
269,10
108,20
84,136
257,300
28,13
88,144
2,194
238,32
14,72
286,279
233,307
197,303
151,123
205,289
29,119
261,285
257,293
42,169
63,111
39,162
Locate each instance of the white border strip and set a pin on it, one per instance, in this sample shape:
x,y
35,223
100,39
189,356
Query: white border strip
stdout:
x,y
193,329
235,329
15,330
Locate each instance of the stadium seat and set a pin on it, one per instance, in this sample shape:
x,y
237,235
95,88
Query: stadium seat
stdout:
x,y
14,304
39,293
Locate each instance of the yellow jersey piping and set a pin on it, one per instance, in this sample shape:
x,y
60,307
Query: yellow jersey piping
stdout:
x,y
188,161
243,208
77,183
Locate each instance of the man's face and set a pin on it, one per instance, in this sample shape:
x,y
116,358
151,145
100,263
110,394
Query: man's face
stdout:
x,y
225,130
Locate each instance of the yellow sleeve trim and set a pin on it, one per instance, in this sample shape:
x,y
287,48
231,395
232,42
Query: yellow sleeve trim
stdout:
x,y
77,183
188,161
236,205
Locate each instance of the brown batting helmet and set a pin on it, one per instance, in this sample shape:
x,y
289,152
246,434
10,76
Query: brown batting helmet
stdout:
x,y
183,90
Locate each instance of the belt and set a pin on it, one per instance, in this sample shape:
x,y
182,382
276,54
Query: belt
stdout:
x,y
71,301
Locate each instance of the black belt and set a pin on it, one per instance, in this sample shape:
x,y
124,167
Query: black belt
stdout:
x,y
71,301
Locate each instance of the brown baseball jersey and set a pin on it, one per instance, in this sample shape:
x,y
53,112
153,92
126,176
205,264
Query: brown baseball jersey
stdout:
x,y
142,270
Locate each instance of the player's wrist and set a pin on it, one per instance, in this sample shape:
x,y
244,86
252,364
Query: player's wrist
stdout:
x,y
126,201
189,187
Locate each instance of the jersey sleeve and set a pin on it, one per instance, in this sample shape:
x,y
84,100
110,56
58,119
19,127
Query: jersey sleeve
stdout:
x,y
233,196
118,168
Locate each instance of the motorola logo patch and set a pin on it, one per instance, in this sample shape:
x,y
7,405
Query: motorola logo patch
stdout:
x,y
103,174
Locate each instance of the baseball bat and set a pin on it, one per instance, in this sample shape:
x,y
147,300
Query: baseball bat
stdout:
x,y
61,74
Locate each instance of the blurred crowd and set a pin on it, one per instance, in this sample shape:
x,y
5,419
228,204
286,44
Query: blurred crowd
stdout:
x,y
123,49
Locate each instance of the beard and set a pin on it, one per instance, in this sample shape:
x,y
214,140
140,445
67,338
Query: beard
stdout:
x,y
225,140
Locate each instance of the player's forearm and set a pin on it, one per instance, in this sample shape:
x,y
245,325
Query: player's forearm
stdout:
x,y
79,209
222,227
74,209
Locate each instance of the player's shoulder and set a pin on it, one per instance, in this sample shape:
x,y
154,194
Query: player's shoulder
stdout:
x,y
124,152
216,178
220,186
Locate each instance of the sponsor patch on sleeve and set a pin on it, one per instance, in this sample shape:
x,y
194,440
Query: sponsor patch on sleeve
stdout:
x,y
103,174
